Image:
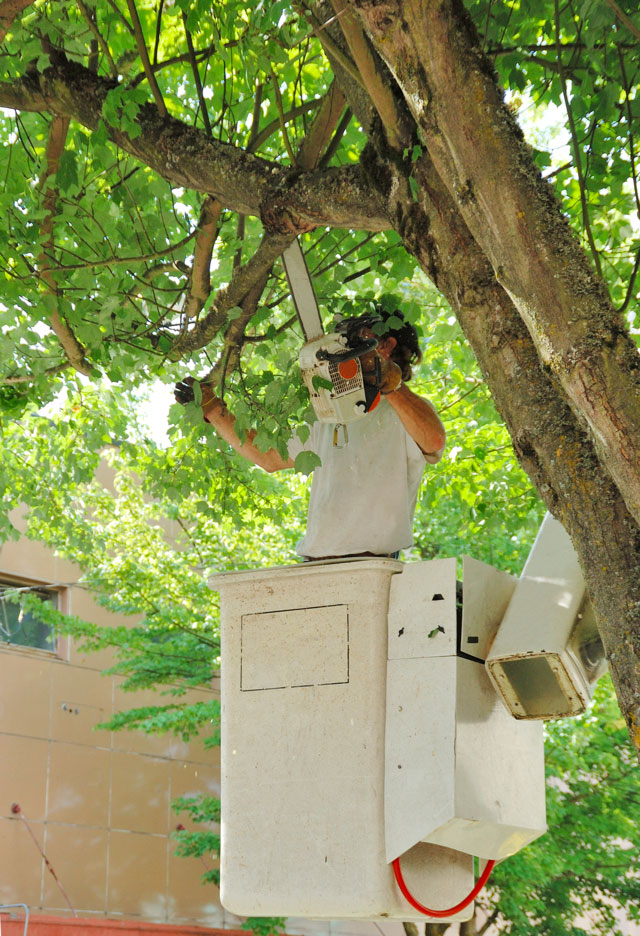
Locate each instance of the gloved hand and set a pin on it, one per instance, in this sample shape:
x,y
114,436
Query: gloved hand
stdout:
x,y
184,393
380,372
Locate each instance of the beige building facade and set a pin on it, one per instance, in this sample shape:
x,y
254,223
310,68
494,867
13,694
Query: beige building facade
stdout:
x,y
96,803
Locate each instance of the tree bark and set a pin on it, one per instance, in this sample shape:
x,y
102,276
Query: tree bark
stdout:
x,y
479,151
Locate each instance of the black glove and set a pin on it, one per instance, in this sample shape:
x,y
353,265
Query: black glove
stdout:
x,y
184,392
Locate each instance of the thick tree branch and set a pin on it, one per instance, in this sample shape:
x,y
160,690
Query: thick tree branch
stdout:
x,y
330,46
378,83
184,155
320,133
551,444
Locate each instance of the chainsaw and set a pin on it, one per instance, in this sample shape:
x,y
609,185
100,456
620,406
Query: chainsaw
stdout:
x,y
331,364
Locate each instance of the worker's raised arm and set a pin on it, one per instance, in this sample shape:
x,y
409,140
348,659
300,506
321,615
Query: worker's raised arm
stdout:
x,y
420,418
214,411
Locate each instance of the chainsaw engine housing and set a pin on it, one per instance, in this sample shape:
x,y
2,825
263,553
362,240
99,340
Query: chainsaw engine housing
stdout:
x,y
347,398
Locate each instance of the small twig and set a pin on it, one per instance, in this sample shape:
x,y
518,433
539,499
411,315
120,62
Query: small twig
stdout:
x,y
576,150
123,19
116,261
144,55
158,31
29,378
341,129
104,47
196,76
632,280
555,172
455,402
630,121
622,16
274,125
281,117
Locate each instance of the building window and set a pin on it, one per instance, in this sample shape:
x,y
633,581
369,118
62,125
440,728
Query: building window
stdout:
x,y
23,628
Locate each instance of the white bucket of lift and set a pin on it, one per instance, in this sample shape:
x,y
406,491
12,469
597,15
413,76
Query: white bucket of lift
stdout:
x,y
304,653
460,772
547,655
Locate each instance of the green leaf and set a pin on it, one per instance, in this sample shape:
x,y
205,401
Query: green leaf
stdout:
x,y
306,461
321,383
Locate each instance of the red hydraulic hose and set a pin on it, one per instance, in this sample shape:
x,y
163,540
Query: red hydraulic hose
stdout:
x,y
482,880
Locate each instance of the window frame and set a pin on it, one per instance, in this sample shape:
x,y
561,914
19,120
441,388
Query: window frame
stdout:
x,y
61,593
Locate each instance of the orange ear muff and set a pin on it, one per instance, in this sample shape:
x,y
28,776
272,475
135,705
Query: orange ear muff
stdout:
x,y
376,400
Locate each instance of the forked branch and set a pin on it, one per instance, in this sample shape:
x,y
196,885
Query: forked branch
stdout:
x,y
55,147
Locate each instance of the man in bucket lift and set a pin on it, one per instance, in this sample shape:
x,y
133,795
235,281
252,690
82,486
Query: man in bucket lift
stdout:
x,y
364,493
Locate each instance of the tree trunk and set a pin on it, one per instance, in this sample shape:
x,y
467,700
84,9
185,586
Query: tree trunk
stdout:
x,y
479,152
554,450
551,443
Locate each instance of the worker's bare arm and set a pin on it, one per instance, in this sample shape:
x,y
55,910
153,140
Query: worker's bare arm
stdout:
x,y
216,413
420,419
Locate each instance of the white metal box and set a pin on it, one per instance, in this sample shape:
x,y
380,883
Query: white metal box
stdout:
x,y
547,655
304,653
460,772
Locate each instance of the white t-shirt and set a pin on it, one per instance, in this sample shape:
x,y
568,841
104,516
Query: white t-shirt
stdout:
x,y
363,496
